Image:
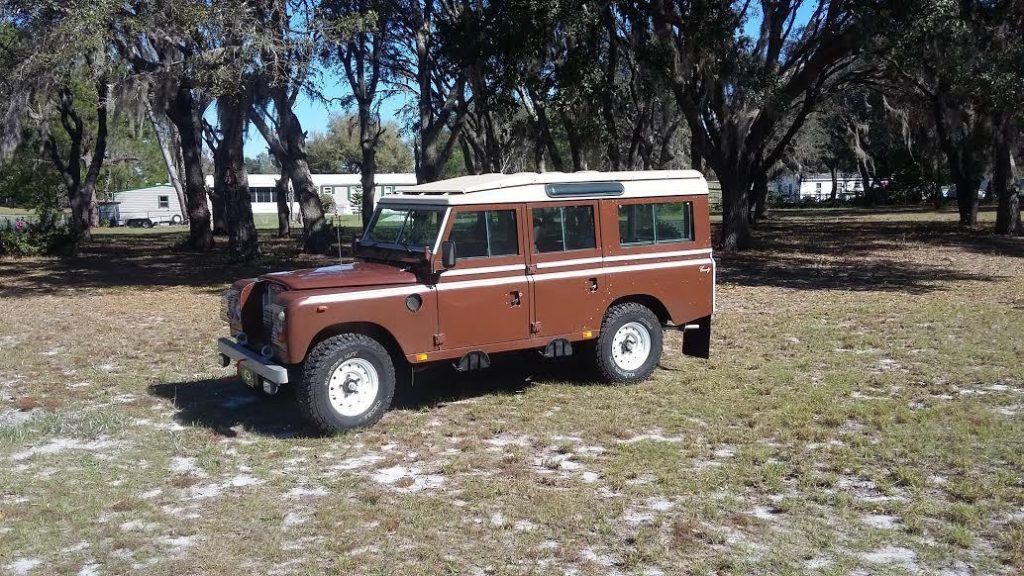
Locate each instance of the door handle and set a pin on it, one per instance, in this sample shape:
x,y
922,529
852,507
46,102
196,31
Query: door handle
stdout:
x,y
592,285
515,298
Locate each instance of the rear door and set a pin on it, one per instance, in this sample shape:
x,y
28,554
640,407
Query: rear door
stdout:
x,y
566,270
484,299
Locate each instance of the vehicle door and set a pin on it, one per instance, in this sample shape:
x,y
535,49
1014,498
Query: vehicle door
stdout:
x,y
484,299
566,271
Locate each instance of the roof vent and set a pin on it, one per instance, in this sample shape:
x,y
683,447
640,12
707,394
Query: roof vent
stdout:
x,y
584,189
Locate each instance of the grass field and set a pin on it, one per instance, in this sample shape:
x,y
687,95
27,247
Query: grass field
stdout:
x,y
863,412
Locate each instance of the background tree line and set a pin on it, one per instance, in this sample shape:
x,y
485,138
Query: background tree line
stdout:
x,y
917,93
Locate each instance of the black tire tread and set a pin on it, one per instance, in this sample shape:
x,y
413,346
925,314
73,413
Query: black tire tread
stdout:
x,y
325,352
602,365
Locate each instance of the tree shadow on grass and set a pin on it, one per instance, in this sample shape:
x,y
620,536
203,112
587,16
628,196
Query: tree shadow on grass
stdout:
x,y
859,256
227,407
151,260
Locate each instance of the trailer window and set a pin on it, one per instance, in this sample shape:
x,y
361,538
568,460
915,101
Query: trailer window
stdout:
x,y
485,233
563,228
655,223
163,202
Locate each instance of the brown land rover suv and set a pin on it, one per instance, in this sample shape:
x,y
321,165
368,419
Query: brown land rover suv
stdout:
x,y
459,270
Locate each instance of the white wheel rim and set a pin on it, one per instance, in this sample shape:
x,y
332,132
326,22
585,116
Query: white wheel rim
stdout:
x,y
353,387
631,346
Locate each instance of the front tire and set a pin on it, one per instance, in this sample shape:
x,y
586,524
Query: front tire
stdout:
x,y
348,381
629,346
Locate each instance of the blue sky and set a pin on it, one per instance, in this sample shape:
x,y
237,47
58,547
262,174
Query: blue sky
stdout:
x,y
315,114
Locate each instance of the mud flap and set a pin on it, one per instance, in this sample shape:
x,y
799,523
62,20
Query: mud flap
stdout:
x,y
697,338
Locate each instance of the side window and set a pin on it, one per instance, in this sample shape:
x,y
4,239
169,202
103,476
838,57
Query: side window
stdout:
x,y
163,201
641,224
485,233
563,228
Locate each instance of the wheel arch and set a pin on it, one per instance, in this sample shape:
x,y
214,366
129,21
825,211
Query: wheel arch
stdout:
x,y
375,331
651,302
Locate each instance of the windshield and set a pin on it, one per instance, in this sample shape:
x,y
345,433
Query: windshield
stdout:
x,y
408,227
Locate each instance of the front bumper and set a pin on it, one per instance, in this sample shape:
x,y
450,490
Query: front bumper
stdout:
x,y
268,370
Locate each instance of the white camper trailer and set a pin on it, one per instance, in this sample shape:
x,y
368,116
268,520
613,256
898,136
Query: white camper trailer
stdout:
x,y
344,188
144,207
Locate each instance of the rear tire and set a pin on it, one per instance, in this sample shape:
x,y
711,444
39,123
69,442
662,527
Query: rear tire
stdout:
x,y
348,381
176,219
147,223
628,348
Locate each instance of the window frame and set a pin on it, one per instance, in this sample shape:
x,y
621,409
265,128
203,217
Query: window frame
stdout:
x,y
575,254
484,261
655,245
163,202
487,231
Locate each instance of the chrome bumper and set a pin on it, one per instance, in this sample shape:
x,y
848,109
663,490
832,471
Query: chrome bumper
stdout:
x,y
231,350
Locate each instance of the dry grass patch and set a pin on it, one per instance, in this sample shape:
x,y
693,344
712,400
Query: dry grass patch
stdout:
x,y
861,412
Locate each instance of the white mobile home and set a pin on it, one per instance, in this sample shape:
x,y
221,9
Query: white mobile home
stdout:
x,y
143,207
819,186
344,188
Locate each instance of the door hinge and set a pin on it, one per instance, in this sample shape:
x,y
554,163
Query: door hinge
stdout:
x,y
535,327
438,339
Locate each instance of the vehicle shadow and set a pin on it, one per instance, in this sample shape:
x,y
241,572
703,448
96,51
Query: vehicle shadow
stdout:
x,y
227,407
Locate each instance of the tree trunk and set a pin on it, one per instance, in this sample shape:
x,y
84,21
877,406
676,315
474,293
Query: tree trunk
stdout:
x,y
760,198
229,159
966,196
865,178
735,233
187,116
316,236
281,194
696,161
1008,219
544,132
368,137
168,140
835,182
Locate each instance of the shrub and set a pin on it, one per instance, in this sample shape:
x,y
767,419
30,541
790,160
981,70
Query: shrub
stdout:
x,y
45,236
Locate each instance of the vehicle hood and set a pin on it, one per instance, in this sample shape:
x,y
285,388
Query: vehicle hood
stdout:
x,y
343,276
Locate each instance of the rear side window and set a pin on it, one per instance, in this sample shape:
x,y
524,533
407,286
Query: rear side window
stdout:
x,y
563,228
661,223
485,233
163,201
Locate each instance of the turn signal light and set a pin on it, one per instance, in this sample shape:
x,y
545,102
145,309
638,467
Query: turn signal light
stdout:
x,y
588,334
421,357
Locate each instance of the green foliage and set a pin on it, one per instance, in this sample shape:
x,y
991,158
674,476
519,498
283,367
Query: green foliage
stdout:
x,y
328,203
338,151
264,163
46,235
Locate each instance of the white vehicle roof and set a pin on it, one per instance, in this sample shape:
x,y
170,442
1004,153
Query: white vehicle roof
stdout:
x,y
534,187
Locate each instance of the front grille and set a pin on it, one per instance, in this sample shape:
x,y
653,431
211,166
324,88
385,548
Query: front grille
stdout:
x,y
269,310
229,311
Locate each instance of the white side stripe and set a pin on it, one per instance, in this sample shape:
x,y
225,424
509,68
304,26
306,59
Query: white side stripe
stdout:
x,y
619,269
575,262
650,255
463,284
367,294
485,270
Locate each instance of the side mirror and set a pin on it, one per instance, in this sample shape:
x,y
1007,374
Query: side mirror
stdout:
x,y
448,257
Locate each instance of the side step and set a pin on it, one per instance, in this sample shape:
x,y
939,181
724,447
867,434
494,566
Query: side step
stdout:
x,y
475,360
557,349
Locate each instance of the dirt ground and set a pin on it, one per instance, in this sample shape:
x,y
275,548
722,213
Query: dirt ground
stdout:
x,y
862,413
